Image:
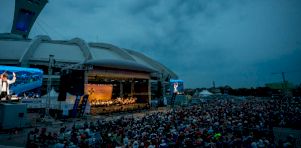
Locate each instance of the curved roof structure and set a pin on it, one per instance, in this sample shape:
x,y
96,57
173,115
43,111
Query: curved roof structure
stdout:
x,y
19,51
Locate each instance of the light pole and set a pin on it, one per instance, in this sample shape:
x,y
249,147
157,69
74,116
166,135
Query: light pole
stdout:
x,y
284,83
50,65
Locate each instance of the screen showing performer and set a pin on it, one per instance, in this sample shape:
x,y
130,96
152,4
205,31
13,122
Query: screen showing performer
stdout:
x,y
21,81
4,84
176,86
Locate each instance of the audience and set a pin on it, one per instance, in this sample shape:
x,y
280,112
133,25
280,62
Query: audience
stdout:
x,y
215,123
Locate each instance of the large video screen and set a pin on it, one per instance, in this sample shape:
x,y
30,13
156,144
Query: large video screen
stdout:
x,y
99,92
28,80
176,86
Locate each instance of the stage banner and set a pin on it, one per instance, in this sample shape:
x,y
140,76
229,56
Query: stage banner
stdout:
x,y
283,133
76,102
83,105
88,108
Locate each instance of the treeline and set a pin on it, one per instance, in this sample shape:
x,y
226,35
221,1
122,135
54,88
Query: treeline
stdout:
x,y
258,91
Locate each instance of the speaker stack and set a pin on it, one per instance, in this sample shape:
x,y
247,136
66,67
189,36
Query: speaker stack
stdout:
x,y
71,81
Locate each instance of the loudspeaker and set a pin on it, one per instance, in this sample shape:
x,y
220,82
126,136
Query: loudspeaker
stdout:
x,y
77,80
64,81
71,81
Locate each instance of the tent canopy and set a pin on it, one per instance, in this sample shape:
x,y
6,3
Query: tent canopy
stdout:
x,y
205,93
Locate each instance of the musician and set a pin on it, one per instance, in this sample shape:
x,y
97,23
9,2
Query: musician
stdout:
x,y
4,84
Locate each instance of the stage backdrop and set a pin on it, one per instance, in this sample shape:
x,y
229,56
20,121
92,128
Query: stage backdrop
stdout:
x,y
99,92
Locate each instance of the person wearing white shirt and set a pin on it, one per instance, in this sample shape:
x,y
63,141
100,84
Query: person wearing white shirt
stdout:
x,y
4,84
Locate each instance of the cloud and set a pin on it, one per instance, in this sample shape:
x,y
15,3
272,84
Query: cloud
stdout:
x,y
234,42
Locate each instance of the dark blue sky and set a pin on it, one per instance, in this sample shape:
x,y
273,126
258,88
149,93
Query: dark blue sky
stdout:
x,y
234,42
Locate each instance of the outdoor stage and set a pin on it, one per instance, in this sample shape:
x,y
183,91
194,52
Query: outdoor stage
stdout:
x,y
117,91
108,91
108,85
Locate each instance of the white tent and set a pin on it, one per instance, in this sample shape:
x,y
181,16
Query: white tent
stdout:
x,y
205,93
53,93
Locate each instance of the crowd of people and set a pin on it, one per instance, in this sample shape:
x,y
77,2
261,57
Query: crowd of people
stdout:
x,y
215,123
117,101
